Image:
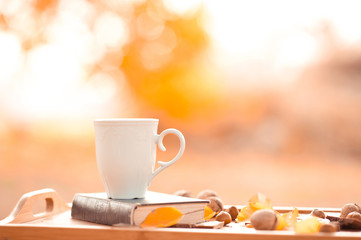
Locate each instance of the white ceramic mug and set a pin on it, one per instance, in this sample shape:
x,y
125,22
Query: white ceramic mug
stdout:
x,y
126,154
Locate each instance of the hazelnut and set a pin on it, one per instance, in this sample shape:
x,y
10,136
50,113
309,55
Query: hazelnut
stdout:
x,y
224,217
348,208
264,219
354,215
233,211
182,193
206,194
215,204
318,213
329,227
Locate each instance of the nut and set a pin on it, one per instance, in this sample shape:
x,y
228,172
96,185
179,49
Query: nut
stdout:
x,y
215,204
349,207
233,211
224,217
329,227
206,194
182,193
318,213
264,219
354,215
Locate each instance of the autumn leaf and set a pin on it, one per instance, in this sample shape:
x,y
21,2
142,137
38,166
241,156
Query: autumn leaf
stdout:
x,y
282,223
162,217
208,213
291,217
244,214
287,220
308,225
257,202
257,206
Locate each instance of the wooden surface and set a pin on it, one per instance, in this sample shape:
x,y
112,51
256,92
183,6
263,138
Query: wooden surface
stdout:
x,y
56,223
23,211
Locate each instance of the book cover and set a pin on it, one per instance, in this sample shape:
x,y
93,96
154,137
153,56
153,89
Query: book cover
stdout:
x,y
98,208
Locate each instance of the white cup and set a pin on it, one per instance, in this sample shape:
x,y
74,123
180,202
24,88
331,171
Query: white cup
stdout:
x,y
126,154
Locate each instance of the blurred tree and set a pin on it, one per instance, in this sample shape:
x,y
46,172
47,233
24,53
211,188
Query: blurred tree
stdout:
x,y
166,64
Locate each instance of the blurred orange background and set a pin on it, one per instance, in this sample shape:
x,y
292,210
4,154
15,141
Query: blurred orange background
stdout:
x,y
267,94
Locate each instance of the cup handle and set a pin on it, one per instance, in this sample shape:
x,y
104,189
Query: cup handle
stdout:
x,y
159,141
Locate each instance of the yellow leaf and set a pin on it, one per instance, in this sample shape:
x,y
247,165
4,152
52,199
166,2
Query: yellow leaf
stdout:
x,y
257,202
257,206
244,214
241,217
286,220
162,217
261,201
291,217
208,213
308,225
282,223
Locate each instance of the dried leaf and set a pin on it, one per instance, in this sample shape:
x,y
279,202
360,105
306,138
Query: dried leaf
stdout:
x,y
260,201
244,214
291,217
257,206
257,202
162,217
308,225
208,213
282,223
287,220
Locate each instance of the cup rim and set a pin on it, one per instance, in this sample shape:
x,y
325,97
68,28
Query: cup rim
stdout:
x,y
126,120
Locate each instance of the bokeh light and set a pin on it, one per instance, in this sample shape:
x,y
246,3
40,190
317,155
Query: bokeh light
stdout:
x,y
250,83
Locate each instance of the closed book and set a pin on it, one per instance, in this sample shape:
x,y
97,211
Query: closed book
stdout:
x,y
98,208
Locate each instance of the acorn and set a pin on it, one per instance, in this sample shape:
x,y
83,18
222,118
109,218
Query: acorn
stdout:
x,y
354,215
233,211
318,213
264,219
348,208
224,217
215,204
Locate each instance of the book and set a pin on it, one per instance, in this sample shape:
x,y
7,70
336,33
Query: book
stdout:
x,y
98,208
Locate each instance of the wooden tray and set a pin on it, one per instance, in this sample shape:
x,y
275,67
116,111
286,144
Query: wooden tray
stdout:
x,y
56,223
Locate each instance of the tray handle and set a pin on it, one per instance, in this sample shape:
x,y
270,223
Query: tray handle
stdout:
x,y
23,211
